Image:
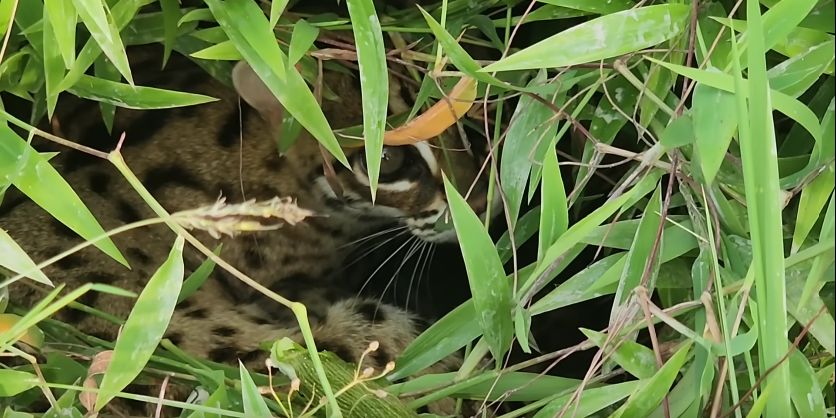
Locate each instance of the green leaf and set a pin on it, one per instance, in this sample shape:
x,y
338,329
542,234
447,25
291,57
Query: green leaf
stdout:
x,y
16,260
554,219
198,277
489,286
715,122
374,82
605,37
53,65
605,7
103,69
644,400
60,16
441,339
797,74
254,404
531,125
171,15
13,382
96,17
276,9
303,38
806,393
225,50
145,326
635,358
29,171
259,48
134,97
591,401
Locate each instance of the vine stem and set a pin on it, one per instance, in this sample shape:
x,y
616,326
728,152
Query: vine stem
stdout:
x,y
298,309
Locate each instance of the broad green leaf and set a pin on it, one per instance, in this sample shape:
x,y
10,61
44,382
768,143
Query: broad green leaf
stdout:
x,y
604,37
60,15
742,343
29,171
635,358
533,123
489,286
797,74
16,260
652,390
225,50
96,17
715,123
760,175
259,48
13,382
276,9
134,97
53,65
805,392
304,36
780,101
374,82
254,404
810,207
145,326
591,401
605,7
554,219
678,133
441,339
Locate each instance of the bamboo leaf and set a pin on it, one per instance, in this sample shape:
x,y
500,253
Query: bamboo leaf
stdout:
x,y
145,326
490,288
16,260
96,16
715,123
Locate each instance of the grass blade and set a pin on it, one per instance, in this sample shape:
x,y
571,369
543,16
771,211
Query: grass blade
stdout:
x,y
96,17
16,260
489,286
134,97
374,82
605,37
145,326
715,122
254,404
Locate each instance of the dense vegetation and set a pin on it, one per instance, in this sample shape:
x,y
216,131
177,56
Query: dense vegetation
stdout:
x,y
705,127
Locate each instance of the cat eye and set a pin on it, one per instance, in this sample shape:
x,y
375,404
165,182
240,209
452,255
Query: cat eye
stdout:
x,y
397,163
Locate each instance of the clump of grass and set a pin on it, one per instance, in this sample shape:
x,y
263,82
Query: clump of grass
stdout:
x,y
681,153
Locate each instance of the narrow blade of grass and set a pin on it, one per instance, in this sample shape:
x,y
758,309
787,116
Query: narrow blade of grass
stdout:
x,y
145,326
374,82
16,260
97,19
489,286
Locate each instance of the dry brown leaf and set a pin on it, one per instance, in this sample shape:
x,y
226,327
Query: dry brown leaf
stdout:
x,y
98,365
440,116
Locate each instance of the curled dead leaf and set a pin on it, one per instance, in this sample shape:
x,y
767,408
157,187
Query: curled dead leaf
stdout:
x,y
98,365
440,116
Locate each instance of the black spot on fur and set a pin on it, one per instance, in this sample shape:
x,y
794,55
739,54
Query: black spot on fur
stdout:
x,y
175,337
138,255
259,320
273,162
127,212
99,277
253,256
370,312
224,331
69,262
380,356
99,182
340,350
186,304
74,316
222,355
198,313
62,230
230,132
145,127
250,356
166,175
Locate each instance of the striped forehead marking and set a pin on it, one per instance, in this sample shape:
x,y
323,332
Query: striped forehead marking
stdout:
x,y
427,154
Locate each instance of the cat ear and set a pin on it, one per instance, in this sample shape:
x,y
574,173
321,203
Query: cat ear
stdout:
x,y
250,87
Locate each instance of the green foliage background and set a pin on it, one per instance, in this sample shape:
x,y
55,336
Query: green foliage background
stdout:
x,y
719,113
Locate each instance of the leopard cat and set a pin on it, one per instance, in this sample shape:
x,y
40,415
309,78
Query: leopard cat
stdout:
x,y
187,157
